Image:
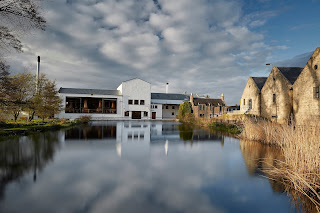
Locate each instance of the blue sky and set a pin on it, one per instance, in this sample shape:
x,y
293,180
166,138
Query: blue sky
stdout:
x,y
207,47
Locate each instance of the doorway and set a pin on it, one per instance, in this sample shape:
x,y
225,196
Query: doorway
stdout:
x,y
136,115
154,115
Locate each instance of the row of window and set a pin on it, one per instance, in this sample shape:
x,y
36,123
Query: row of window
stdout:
x,y
136,102
154,106
167,107
126,113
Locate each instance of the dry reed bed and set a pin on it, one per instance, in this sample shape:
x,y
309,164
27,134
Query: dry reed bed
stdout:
x,y
300,169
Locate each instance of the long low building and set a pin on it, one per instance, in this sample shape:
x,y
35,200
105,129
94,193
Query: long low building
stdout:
x,y
131,100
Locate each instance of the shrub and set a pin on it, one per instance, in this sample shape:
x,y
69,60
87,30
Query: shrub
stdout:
x,y
84,118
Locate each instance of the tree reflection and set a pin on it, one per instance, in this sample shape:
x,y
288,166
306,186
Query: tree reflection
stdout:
x,y
20,155
186,132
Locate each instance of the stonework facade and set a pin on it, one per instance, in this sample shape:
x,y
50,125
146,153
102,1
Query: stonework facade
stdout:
x,y
276,97
251,97
208,107
289,94
306,102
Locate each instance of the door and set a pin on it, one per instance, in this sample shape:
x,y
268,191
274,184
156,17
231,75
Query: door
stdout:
x,y
136,115
154,115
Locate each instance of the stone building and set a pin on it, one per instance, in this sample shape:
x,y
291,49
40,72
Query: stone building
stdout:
x,y
208,107
276,94
306,99
250,102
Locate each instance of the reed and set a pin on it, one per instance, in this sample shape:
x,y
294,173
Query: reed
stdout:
x,y
300,169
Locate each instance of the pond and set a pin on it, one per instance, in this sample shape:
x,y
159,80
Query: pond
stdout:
x,y
137,167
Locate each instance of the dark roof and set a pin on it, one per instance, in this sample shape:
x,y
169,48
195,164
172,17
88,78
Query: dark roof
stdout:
x,y
259,81
291,73
89,91
169,96
206,101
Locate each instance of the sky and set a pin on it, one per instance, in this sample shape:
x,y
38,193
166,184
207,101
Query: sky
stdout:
x,y
205,47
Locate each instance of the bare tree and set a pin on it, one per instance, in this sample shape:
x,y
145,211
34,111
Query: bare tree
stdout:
x,y
18,16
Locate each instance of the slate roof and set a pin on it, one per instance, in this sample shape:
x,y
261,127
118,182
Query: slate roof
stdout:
x,y
259,81
169,96
206,101
89,91
291,73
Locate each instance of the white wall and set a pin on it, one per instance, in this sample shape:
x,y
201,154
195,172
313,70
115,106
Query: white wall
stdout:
x,y
167,113
136,89
158,110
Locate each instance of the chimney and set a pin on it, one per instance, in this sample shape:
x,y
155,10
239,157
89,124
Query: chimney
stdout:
x,y
38,68
167,87
222,97
38,73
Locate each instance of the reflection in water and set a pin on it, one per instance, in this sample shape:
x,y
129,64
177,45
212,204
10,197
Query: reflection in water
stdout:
x,y
259,157
21,155
122,167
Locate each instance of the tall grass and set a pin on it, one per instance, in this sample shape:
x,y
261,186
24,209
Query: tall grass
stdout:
x,y
300,169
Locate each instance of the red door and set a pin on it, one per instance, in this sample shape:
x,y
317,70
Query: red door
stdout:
x,y
154,115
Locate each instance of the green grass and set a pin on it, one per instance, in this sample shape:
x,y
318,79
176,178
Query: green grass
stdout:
x,y
27,127
233,129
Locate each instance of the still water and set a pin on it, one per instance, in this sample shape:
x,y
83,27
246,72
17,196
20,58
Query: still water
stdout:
x,y
137,167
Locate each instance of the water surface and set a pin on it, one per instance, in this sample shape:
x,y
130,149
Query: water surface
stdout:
x,y
137,167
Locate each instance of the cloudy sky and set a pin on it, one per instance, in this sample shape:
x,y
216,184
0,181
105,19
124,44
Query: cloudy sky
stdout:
x,y
200,46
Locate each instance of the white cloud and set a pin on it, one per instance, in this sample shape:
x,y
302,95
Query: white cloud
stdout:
x,y
98,44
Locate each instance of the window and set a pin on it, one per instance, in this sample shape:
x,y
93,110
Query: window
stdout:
x,y
126,113
315,92
156,106
145,114
274,98
244,101
315,67
129,101
173,107
136,102
167,107
250,103
172,113
141,102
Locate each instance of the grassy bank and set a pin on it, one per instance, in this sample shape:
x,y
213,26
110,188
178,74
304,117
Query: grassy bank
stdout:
x,y
9,128
300,169
213,124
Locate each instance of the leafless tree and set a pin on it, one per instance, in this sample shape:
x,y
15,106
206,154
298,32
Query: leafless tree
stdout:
x,y
18,16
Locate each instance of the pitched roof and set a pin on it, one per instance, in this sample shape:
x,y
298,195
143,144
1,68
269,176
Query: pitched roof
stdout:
x,y
213,102
89,91
259,81
291,73
169,96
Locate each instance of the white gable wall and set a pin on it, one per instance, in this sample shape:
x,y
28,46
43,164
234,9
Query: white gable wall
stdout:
x,y
136,89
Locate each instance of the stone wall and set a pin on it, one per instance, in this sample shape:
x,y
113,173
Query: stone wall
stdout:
x,y
279,110
250,91
305,105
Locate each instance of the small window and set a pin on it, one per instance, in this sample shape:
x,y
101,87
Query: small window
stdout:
x,y
136,102
141,102
316,92
173,107
145,114
156,106
316,67
244,101
167,107
126,113
172,113
274,98
129,101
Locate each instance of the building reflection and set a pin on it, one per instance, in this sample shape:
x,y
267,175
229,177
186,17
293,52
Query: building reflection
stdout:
x,y
259,158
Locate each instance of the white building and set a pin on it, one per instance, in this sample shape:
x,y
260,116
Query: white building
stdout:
x,y
132,100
